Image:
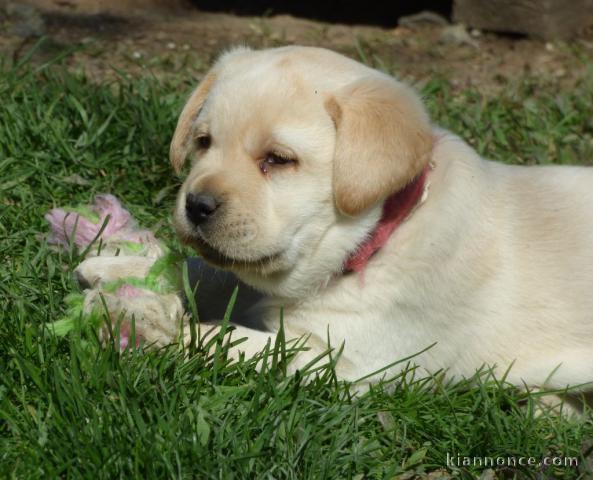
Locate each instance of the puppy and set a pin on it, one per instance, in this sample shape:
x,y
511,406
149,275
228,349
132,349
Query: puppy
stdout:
x,y
322,183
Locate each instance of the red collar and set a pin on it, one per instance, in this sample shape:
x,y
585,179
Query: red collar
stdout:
x,y
396,209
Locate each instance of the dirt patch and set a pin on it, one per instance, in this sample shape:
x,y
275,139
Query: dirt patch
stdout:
x,y
177,41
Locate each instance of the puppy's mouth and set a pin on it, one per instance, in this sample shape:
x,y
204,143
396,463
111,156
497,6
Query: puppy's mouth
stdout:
x,y
222,260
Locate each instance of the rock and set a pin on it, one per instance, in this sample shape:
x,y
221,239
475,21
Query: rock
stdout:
x,y
547,19
457,35
423,18
23,20
386,420
111,7
439,475
488,474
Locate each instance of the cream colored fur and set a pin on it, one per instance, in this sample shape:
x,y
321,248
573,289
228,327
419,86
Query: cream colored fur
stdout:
x,y
495,267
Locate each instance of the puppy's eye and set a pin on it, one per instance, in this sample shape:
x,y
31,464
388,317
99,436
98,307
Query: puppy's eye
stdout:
x,y
275,160
203,142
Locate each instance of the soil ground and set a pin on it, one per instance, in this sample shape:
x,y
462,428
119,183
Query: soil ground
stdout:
x,y
180,40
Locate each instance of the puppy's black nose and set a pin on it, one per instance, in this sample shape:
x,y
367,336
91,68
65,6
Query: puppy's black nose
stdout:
x,y
199,207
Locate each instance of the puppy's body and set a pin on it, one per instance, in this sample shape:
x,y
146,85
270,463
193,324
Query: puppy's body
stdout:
x,y
297,150
495,266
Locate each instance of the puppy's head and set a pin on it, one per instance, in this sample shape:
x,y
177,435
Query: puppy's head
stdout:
x,y
293,152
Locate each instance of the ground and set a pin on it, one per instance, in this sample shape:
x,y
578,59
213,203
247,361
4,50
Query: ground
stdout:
x,y
167,42
92,109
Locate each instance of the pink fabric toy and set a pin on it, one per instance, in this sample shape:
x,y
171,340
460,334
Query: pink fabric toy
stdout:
x,y
82,225
126,268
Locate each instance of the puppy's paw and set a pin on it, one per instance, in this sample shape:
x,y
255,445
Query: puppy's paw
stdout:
x,y
156,318
97,271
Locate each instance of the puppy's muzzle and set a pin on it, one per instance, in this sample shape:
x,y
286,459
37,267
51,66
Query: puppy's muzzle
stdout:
x,y
200,207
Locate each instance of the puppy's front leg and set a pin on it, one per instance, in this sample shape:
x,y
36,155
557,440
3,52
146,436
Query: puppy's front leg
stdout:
x,y
253,341
159,321
303,351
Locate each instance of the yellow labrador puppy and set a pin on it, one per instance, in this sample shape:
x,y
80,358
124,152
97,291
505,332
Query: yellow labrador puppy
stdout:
x,y
323,184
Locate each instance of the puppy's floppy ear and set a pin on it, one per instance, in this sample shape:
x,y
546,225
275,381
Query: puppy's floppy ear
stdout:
x,y
383,141
180,145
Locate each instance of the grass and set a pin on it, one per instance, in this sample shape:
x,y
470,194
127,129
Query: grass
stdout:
x,y
71,410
